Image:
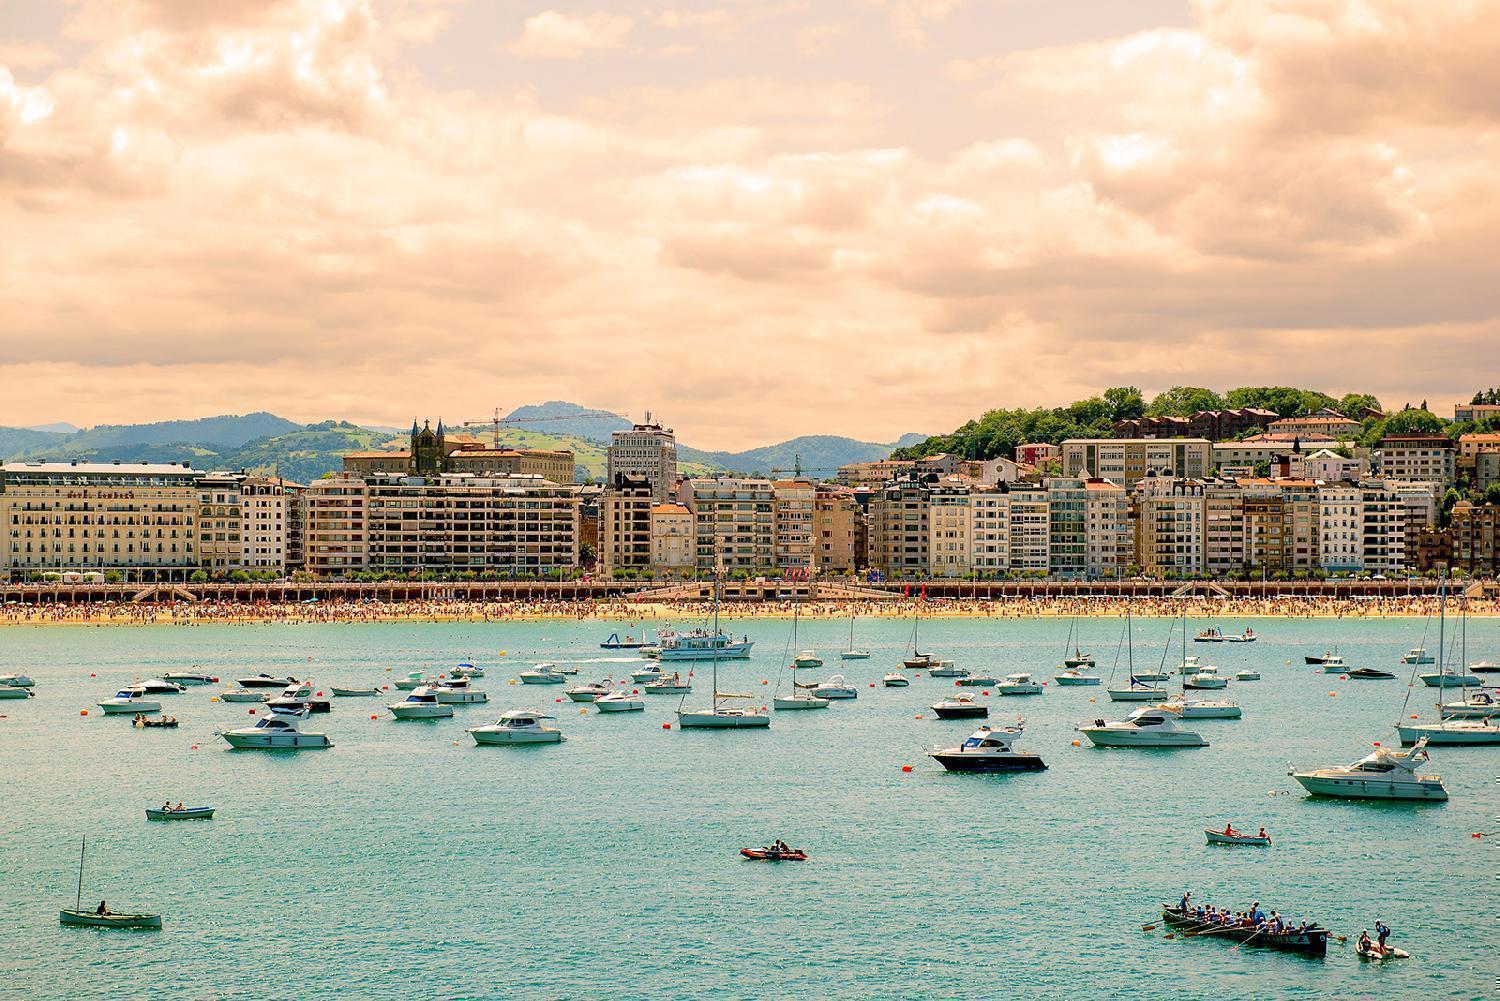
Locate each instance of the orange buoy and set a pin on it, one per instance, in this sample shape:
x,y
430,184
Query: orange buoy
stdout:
x,y
373,716
1077,743
83,712
984,693
666,726
93,675
763,681
906,768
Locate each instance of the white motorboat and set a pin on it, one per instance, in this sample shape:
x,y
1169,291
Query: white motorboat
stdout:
x,y
294,696
836,688
978,681
353,693
945,669
669,684
988,750
264,680
543,674
420,703
1189,665
960,707
1475,705
1381,774
702,644
456,692
16,681
1451,733
1203,708
1149,726
895,680
1247,676
1207,677
1073,677
645,674
415,680
130,700
188,678
807,659
159,686
1449,679
588,693
278,731
1018,684
1484,667
619,702
1248,636
1327,656
1417,655
242,695
798,699
1334,665
467,670
518,726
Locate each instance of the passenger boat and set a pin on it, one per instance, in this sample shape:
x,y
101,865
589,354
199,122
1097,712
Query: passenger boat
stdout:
x,y
1148,727
895,680
1018,684
353,693
280,731
16,681
101,918
1381,774
959,707
264,680
702,644
1311,941
988,750
185,813
628,643
129,700
619,702
518,726
772,855
1236,838
543,674
420,703
1370,674
188,678
166,722
1073,676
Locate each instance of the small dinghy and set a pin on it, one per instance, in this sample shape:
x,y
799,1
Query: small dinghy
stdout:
x,y
180,813
895,680
1236,838
354,693
774,854
1371,952
1247,676
1370,674
166,722
68,916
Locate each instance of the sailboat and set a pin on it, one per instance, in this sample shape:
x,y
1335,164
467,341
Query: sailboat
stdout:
x,y
800,697
918,661
1448,730
1137,690
102,918
720,716
1196,708
853,653
1079,658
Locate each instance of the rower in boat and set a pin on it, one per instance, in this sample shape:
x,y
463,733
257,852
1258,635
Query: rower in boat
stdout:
x,y
1252,927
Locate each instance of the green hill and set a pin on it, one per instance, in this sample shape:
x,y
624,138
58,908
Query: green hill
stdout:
x,y
302,455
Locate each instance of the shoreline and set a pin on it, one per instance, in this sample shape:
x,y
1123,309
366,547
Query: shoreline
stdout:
x,y
654,614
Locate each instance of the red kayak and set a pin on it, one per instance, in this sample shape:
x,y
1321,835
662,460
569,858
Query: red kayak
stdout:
x,y
767,855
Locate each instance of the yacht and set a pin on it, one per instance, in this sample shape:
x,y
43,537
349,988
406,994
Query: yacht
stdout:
x,y
1148,726
1207,677
264,680
1018,684
1152,676
279,731
467,670
1189,665
296,696
895,680
518,726
543,674
669,684
16,681
652,673
1334,665
801,696
1484,667
619,702
799,699
1203,708
1381,774
988,750
1369,674
702,644
130,700
1078,658
1417,655
1475,705
836,688
420,703
1073,676
159,686
919,661
587,693
1451,732
960,707
807,659
185,678
945,669
415,680
242,695
456,692
978,681
1449,679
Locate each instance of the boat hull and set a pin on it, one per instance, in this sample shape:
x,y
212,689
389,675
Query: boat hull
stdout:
x,y
1068,682
421,712
707,720
734,651
896,682
1206,684
965,712
355,693
16,693
854,655
541,679
1137,694
241,697
1356,788
277,742
1313,942
960,761
465,698
789,702
762,855
622,706
1370,674
493,738
1220,838
1102,737
123,709
667,689
92,920
191,813
1450,736
1450,681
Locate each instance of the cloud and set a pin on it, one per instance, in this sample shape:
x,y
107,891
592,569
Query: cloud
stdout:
x,y
552,35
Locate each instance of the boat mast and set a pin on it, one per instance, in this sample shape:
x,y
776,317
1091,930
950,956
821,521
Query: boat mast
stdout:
x,y
78,900
1130,644
1442,621
714,643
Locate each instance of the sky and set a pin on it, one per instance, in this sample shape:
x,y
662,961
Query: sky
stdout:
x,y
756,218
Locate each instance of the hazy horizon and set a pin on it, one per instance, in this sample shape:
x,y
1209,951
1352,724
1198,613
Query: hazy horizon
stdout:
x,y
757,218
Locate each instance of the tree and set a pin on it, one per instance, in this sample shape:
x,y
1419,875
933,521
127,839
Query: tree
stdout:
x,y
1413,422
198,577
1351,403
1183,401
1492,494
1285,400
1125,403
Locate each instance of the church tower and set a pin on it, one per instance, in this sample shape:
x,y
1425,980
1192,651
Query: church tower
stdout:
x,y
426,450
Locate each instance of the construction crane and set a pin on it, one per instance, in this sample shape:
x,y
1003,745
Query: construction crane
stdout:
x,y
798,469
495,420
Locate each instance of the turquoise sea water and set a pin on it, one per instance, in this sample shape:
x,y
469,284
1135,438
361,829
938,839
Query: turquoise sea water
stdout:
x,y
408,862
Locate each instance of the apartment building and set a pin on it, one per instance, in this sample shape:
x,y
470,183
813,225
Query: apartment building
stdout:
x,y
1223,528
1109,534
898,527
837,531
1126,460
1038,453
1169,526
139,519
1323,424
335,531
1418,457
734,522
1030,529
949,548
1475,411
793,510
989,531
648,452
625,523
1470,446
220,548
1476,537
1067,528
674,540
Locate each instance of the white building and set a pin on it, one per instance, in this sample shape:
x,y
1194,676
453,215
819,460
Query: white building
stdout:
x,y
647,451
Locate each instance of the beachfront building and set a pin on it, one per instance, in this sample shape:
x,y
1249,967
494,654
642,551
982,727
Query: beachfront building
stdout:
x,y
1109,534
793,509
220,548
138,520
989,531
948,544
263,523
1067,528
1223,528
1030,527
647,452
1476,537
734,522
335,529
837,530
1126,460
1341,527
296,526
625,523
898,527
1426,457
1169,526
674,546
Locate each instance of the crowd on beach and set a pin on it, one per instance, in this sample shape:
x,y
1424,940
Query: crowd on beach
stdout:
x,y
650,615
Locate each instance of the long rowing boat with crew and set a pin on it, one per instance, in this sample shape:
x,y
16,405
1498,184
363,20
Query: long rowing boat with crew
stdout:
x,y
1310,941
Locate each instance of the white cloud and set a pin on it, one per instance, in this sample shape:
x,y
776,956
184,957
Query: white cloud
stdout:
x,y
554,35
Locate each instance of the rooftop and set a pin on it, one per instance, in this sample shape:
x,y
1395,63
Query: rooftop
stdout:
x,y
102,468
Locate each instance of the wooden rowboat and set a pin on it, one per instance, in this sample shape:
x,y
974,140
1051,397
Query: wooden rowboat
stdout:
x,y
92,919
354,692
1311,942
186,813
1220,838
